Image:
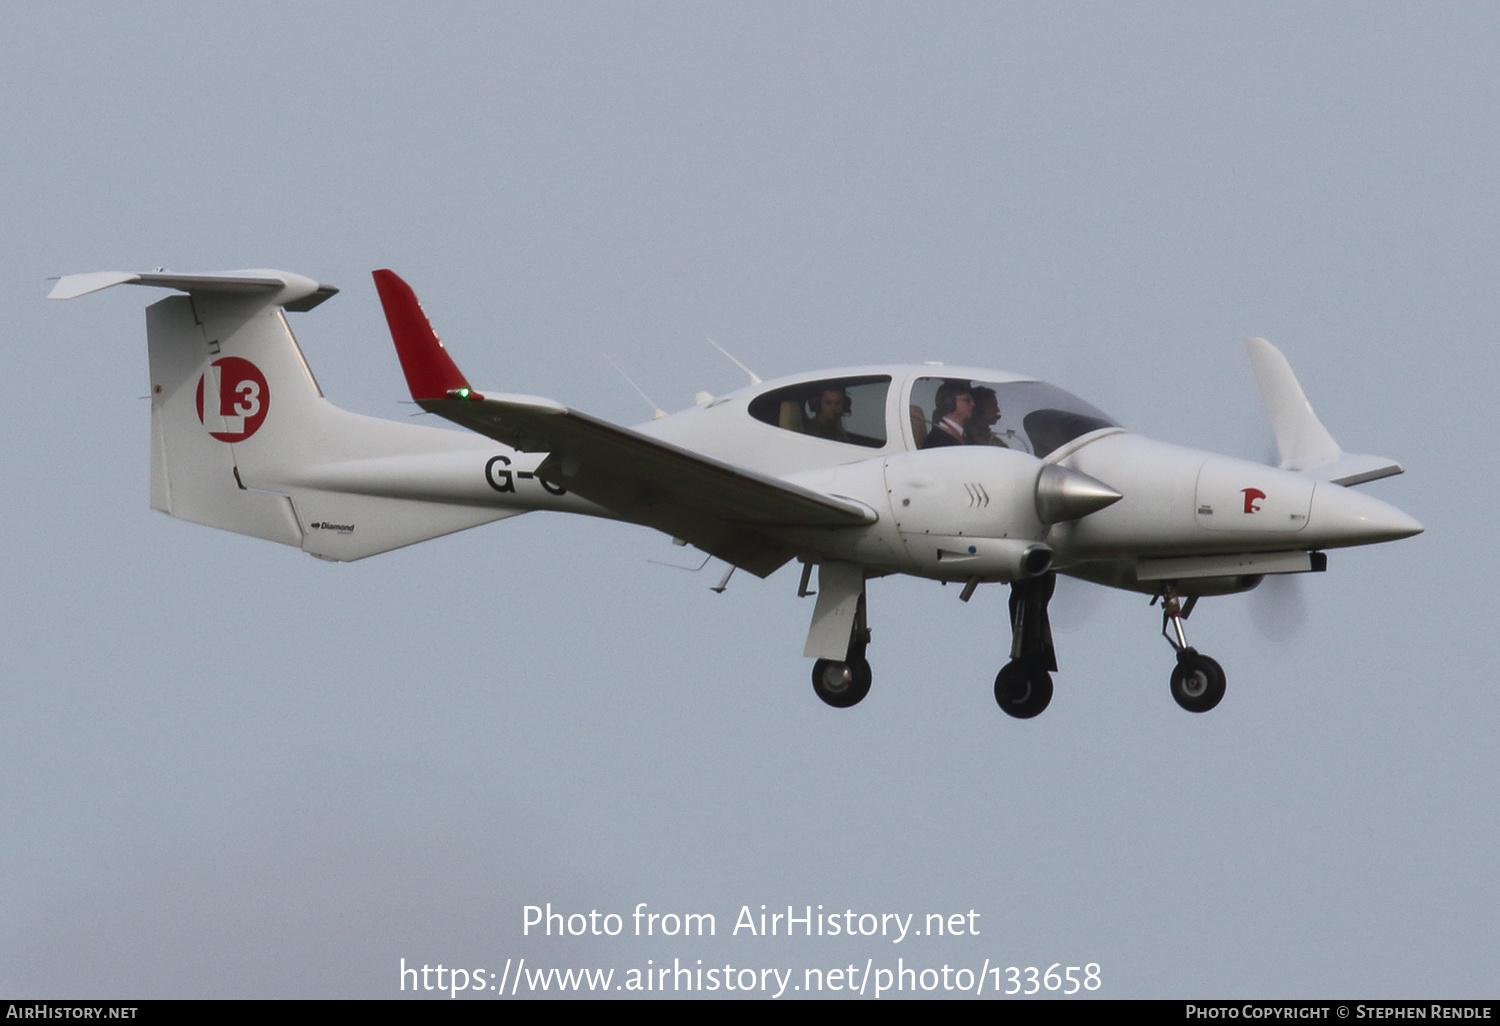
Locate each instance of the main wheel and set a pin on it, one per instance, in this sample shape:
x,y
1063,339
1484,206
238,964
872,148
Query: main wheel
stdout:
x,y
1197,682
841,684
1023,691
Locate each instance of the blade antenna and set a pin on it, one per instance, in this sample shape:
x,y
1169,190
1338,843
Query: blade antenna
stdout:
x,y
657,413
754,378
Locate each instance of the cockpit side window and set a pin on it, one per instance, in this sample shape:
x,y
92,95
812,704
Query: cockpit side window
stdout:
x,y
850,410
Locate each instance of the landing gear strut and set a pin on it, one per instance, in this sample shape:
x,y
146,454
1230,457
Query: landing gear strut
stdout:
x,y
1197,680
842,683
1023,688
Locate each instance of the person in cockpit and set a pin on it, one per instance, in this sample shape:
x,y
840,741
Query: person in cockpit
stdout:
x,y
952,408
980,429
829,409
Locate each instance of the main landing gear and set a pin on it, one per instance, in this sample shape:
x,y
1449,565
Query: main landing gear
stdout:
x,y
839,634
1024,685
1197,680
844,682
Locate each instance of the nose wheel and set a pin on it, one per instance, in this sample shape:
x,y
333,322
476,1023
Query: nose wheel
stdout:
x,y
1197,680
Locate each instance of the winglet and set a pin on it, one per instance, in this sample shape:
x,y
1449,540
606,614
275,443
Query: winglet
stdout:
x,y
430,371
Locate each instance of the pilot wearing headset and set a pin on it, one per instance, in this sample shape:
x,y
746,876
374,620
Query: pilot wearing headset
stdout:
x,y
952,409
830,406
980,430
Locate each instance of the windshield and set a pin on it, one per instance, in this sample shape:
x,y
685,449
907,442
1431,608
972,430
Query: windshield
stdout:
x,y
1031,416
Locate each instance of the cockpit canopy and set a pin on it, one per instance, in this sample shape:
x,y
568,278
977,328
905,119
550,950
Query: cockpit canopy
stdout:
x,y
856,409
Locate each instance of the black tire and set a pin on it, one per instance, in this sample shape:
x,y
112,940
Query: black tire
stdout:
x,y
841,684
1197,682
1022,690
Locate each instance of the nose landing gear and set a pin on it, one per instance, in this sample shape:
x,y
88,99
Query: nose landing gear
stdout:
x,y
1197,680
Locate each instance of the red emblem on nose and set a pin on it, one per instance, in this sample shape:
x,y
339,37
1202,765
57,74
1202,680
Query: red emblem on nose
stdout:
x,y
1251,495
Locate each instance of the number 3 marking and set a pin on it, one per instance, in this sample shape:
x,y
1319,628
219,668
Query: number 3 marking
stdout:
x,y
249,404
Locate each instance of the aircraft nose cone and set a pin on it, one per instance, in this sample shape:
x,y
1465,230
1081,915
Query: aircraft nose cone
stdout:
x,y
1063,494
1343,516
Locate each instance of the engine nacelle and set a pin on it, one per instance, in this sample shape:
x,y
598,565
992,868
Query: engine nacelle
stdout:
x,y
967,512
957,513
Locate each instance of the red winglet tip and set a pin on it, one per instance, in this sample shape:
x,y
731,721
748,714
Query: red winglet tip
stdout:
x,y
430,371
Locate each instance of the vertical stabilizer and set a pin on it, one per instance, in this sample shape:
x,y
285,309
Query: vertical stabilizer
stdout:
x,y
242,438
193,471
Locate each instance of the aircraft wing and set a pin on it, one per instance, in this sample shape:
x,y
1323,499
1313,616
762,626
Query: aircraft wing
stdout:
x,y
722,509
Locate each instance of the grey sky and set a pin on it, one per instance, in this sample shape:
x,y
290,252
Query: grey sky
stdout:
x,y
228,769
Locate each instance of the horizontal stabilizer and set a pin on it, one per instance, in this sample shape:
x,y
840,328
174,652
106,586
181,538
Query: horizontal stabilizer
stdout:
x,y
1302,442
298,293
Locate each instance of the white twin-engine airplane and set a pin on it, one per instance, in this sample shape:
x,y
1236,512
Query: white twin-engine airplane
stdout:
x,y
950,473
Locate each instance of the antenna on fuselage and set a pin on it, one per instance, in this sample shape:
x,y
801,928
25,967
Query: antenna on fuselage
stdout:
x,y
657,413
754,377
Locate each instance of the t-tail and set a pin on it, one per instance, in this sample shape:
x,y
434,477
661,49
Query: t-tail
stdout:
x,y
242,438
